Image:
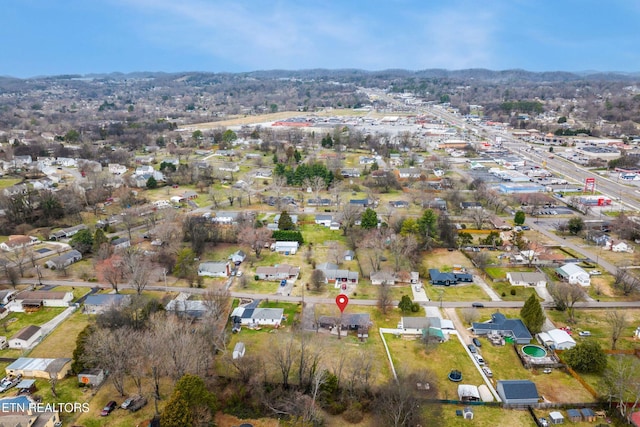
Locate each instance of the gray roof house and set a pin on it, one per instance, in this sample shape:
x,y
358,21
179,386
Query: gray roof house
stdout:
x,y
518,392
99,303
514,328
64,260
214,269
535,278
237,257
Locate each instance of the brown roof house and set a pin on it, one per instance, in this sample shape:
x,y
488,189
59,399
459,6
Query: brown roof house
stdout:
x,y
17,242
26,337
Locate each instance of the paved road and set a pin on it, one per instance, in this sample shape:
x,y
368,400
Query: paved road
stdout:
x,y
321,300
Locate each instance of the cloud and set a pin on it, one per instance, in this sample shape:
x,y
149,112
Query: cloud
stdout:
x,y
294,35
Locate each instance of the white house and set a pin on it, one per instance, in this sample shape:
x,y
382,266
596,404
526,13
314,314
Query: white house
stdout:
x,y
144,170
618,247
573,274
517,278
25,337
286,247
257,316
214,269
18,241
117,169
279,272
121,243
100,303
323,219
44,298
557,339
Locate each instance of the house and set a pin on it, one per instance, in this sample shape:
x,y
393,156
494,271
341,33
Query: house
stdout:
x,y
286,247
319,202
448,278
351,321
470,205
6,296
184,307
64,260
176,200
340,277
237,257
414,325
19,412
350,173
214,269
44,298
257,316
517,278
365,203
222,217
100,303
588,414
518,392
557,339
39,367
382,277
117,169
67,232
468,393
91,377
399,204
556,417
618,247
120,243
500,325
409,173
324,220
574,274
238,350
26,337
278,272
18,241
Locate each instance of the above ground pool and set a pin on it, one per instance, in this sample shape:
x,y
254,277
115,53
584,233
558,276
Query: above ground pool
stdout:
x,y
534,351
455,376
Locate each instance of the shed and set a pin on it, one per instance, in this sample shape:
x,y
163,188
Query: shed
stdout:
x,y
574,415
588,414
238,350
518,392
26,386
556,417
468,393
485,393
91,377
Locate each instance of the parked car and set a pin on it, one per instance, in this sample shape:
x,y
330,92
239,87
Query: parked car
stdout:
x,y
128,401
479,359
477,305
138,404
543,422
595,272
526,227
472,348
109,407
584,333
477,342
487,371
547,370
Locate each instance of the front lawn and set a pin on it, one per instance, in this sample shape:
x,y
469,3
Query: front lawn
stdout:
x,y
62,341
471,292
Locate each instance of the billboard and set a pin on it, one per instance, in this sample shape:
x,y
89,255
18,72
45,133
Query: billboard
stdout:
x,y
590,185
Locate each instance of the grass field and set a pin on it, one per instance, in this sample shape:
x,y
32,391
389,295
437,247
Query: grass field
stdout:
x,y
62,341
16,321
466,292
483,416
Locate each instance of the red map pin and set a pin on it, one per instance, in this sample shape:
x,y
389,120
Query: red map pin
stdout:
x,y
341,302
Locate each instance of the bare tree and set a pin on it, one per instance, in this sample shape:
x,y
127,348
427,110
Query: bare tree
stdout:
x,y
282,353
621,384
111,271
625,282
349,214
617,321
478,216
129,218
278,183
19,257
402,248
398,402
256,238
217,302
317,280
565,296
104,348
384,297
470,315
136,267
375,243
336,252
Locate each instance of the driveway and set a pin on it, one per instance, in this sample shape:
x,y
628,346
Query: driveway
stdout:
x,y
488,289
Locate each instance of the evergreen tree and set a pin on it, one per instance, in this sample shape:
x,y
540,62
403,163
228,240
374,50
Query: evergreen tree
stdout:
x,y
177,412
519,218
152,183
587,357
82,241
405,304
285,222
99,238
369,219
532,314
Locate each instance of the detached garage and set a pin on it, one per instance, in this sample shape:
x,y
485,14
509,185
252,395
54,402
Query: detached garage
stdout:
x,y
26,337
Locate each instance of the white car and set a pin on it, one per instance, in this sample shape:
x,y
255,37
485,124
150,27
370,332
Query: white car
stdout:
x,y
584,333
595,273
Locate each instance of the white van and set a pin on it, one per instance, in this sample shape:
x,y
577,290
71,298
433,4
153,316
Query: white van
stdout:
x,y
479,359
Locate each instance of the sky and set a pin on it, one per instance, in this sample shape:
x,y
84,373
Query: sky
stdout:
x,y
45,37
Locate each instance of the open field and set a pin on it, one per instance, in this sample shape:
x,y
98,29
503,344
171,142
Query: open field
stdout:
x,y
595,322
483,416
62,341
461,292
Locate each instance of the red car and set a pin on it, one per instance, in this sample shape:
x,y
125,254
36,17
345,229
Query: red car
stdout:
x,y
108,408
